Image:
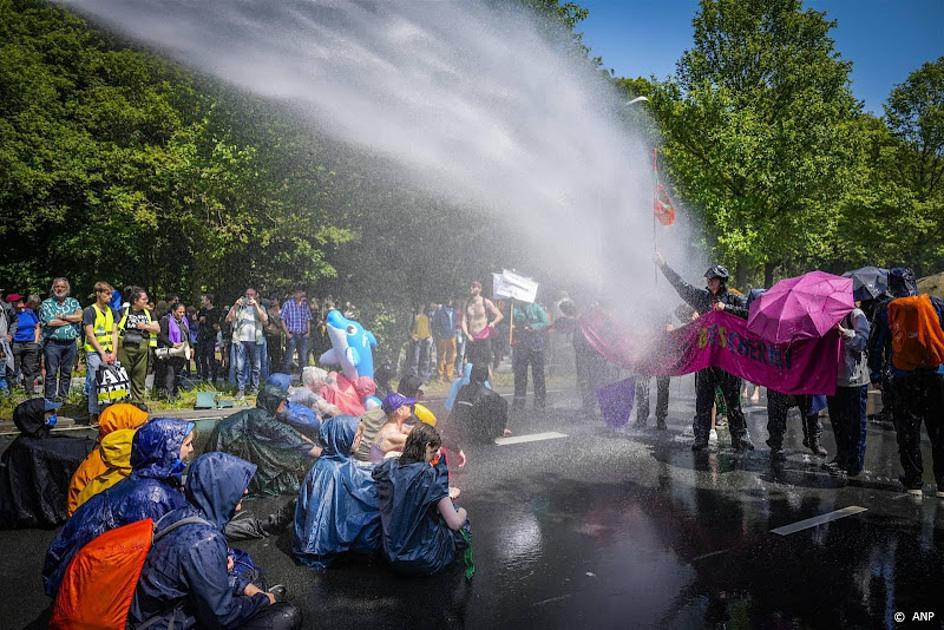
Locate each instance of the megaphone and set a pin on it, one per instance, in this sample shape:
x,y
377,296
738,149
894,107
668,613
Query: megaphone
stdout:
x,y
167,353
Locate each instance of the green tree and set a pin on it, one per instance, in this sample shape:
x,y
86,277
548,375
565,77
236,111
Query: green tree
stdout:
x,y
758,125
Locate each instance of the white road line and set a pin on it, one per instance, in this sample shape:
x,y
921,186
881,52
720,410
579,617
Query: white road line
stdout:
x,y
786,530
533,437
710,555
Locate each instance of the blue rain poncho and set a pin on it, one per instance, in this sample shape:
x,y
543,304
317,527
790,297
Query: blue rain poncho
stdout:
x,y
416,539
184,579
338,508
299,416
152,490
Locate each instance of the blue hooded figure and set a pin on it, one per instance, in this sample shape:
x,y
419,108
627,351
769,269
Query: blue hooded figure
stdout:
x,y
337,509
184,582
416,539
152,490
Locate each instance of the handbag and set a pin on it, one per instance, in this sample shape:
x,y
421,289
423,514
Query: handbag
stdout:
x,y
112,384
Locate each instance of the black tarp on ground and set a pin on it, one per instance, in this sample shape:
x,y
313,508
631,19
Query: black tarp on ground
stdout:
x,y
35,471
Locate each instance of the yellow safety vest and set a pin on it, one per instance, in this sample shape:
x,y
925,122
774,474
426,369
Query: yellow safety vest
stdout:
x,y
151,337
104,324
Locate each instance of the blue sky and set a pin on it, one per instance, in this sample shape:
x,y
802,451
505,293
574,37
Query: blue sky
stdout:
x,y
885,39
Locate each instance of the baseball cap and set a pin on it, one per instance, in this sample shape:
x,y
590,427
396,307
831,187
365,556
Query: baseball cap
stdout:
x,y
394,401
13,298
50,405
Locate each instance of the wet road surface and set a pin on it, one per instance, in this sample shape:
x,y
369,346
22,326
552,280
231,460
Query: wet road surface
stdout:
x,y
627,530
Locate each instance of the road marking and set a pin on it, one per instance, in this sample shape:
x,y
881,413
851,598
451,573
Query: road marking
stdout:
x,y
786,530
533,437
551,599
709,555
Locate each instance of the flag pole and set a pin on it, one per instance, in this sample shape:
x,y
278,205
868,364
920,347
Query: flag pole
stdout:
x,y
655,198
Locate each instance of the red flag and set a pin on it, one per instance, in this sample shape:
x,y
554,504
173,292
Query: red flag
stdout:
x,y
663,209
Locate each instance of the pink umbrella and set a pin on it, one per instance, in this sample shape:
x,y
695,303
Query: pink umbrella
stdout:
x,y
805,307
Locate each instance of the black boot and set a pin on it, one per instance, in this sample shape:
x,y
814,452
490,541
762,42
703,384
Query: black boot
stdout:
x,y
812,430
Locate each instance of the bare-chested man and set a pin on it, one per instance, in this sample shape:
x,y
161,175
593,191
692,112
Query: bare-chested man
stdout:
x,y
392,435
476,325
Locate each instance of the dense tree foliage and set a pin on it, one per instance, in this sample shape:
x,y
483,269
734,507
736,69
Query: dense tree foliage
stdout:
x,y
767,145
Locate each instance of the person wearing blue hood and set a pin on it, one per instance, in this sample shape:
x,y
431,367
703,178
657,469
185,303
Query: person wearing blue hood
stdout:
x,y
158,453
299,416
911,358
282,454
422,530
338,508
185,582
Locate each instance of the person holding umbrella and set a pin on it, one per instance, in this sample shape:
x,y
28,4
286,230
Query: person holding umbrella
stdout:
x,y
714,297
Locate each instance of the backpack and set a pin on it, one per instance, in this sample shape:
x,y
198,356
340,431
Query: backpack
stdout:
x,y
112,384
917,338
99,584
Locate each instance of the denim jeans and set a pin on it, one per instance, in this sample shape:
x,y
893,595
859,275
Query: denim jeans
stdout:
x,y
92,362
262,349
291,343
60,359
248,364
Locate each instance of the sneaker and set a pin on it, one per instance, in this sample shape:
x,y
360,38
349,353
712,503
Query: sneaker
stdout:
x,y
712,437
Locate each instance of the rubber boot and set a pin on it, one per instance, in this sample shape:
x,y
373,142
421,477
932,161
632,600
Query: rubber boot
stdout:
x,y
812,430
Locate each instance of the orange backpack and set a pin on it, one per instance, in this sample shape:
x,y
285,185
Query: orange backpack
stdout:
x,y
98,586
917,338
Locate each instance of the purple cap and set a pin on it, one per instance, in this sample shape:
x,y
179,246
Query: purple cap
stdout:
x,y
394,401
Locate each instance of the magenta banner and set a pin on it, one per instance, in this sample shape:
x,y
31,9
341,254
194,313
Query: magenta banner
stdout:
x,y
722,340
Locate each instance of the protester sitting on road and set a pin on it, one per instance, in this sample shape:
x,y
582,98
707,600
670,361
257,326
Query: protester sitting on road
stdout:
x,y
422,530
114,417
847,407
412,387
115,454
314,380
392,435
186,580
282,454
338,509
478,413
715,297
158,452
913,356
36,467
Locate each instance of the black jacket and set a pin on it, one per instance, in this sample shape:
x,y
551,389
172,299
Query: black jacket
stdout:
x,y
702,300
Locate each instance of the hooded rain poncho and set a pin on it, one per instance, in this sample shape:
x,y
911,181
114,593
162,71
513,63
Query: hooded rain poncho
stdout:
x,y
115,451
256,435
416,540
113,418
35,470
184,580
152,490
338,508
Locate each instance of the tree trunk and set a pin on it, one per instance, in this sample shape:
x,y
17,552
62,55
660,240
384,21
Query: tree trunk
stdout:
x,y
741,271
769,268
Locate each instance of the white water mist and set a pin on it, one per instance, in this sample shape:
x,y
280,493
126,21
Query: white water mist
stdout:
x,y
485,105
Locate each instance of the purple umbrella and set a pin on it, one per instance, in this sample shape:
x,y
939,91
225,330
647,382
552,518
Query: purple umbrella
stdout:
x,y
805,307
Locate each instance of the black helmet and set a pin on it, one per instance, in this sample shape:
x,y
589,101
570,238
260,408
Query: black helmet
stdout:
x,y
717,271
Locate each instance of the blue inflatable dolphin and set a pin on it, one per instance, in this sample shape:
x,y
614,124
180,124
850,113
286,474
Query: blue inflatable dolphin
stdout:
x,y
351,346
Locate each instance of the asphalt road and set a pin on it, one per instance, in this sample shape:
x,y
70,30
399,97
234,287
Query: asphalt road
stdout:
x,y
628,530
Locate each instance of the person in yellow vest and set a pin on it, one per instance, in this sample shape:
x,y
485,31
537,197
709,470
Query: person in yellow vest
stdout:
x,y
101,342
137,333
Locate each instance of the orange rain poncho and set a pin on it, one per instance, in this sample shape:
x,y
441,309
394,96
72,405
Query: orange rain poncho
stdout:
x,y
115,452
114,417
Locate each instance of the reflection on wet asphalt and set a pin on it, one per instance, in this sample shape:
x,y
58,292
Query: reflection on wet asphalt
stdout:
x,y
632,530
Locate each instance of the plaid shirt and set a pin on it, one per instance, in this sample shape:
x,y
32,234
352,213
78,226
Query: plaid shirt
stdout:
x,y
296,316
